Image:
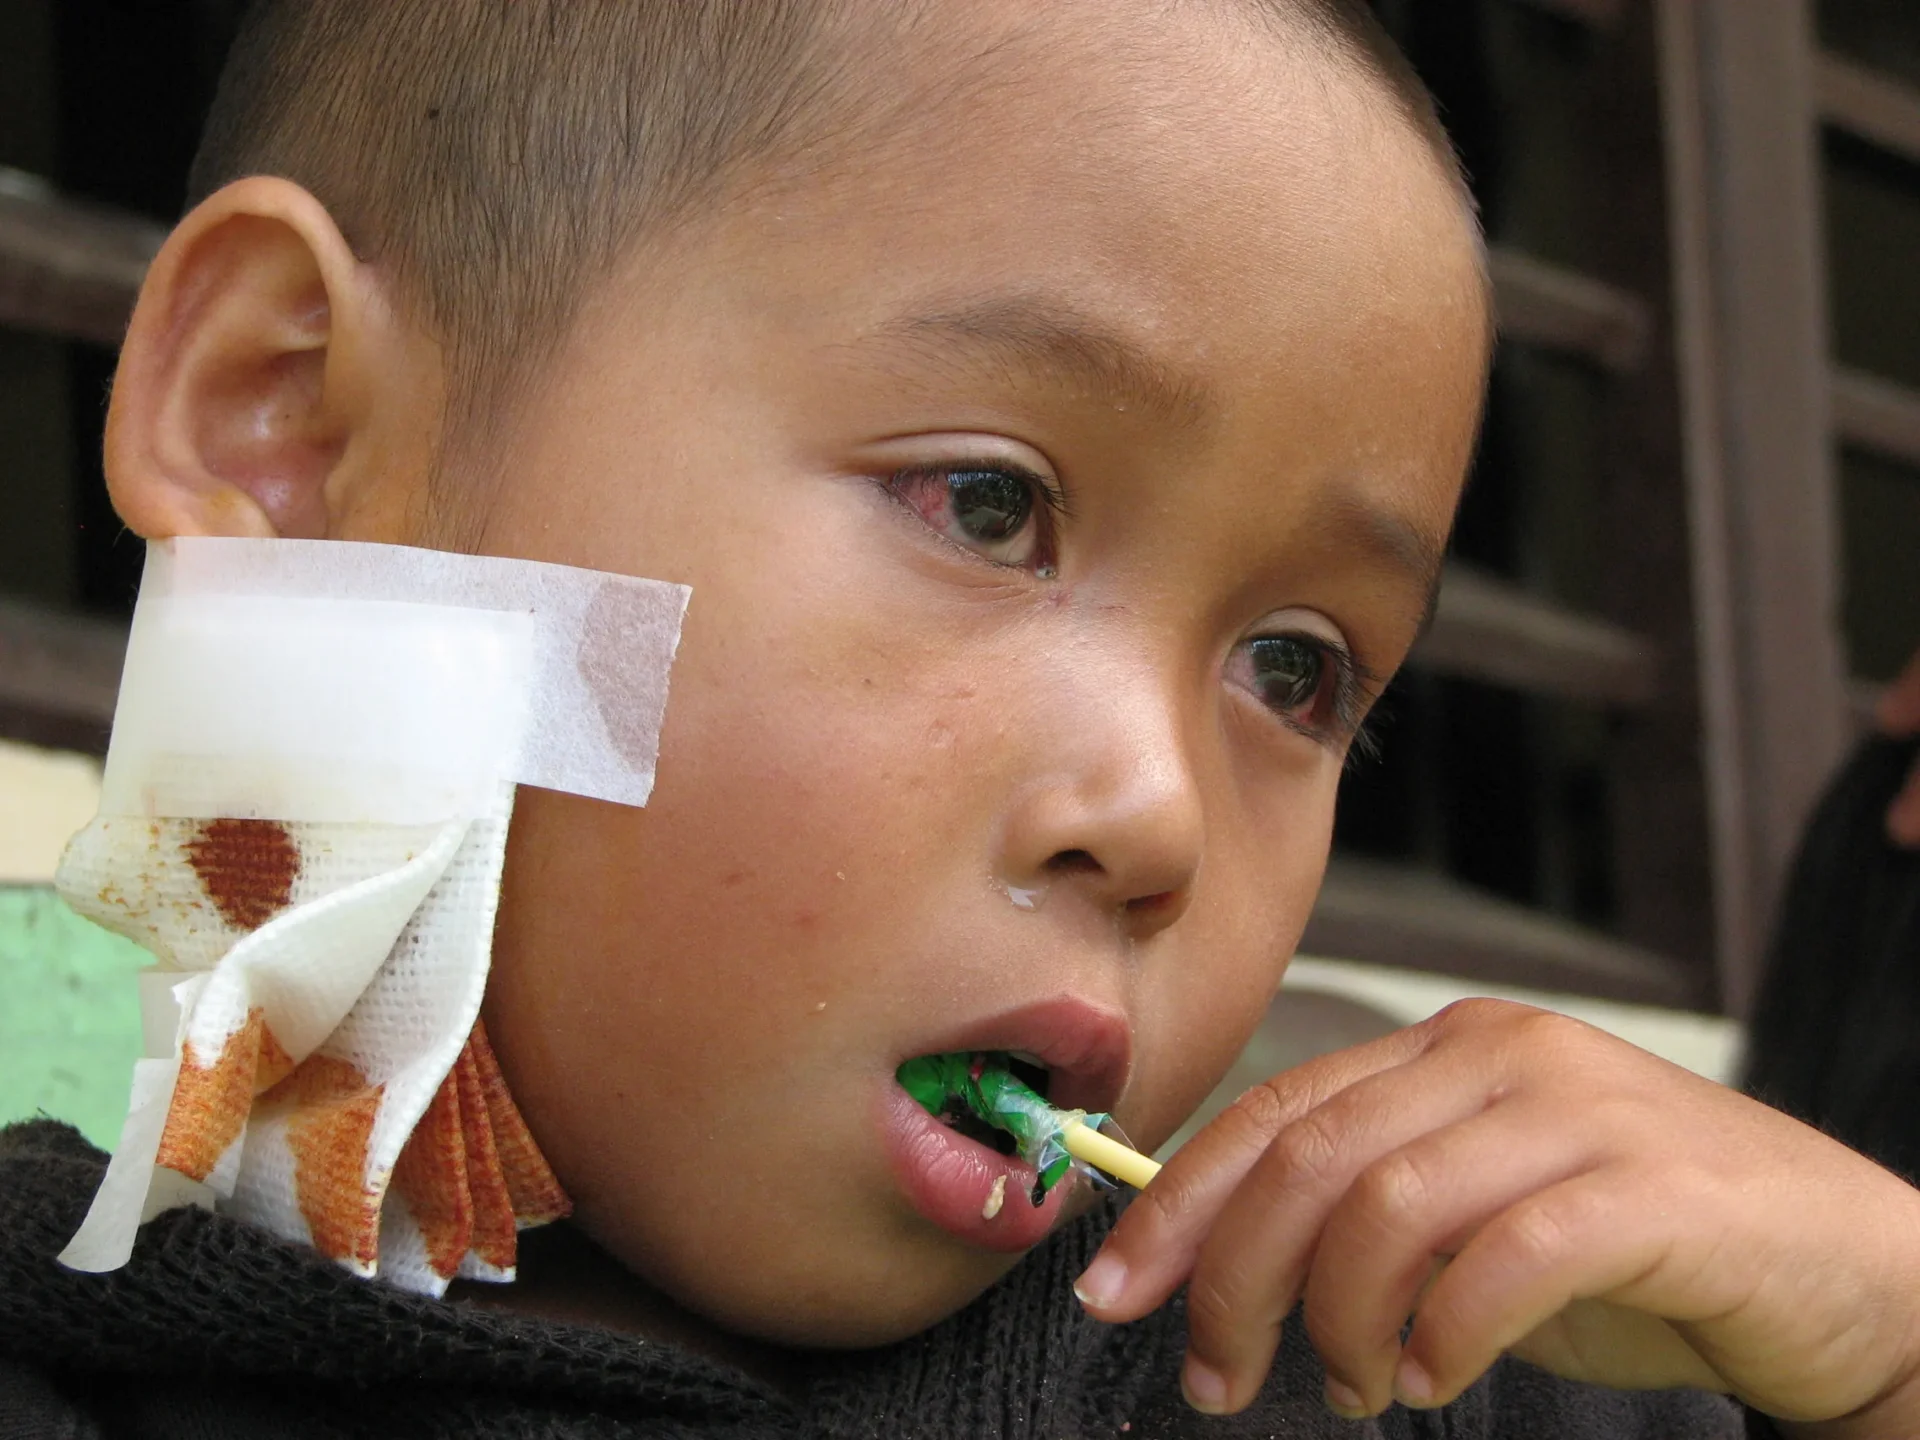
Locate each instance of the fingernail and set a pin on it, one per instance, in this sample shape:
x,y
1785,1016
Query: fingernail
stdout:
x,y
1412,1386
1205,1388
1103,1281
1344,1401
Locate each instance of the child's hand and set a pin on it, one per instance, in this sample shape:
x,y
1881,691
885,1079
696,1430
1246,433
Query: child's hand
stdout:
x,y
1597,1211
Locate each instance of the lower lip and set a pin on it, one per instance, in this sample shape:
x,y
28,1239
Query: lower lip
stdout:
x,y
948,1178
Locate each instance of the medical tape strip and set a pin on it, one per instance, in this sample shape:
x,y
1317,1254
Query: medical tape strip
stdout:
x,y
377,696
379,682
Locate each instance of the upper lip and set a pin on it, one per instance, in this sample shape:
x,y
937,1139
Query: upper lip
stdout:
x,y
1088,1050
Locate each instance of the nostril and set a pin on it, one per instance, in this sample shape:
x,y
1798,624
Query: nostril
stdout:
x,y
1069,862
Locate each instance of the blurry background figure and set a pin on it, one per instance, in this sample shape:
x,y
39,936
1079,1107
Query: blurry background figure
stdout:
x,y
1835,1036
1898,715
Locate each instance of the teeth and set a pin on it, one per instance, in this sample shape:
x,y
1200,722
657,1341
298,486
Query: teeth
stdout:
x,y
996,1197
1028,1058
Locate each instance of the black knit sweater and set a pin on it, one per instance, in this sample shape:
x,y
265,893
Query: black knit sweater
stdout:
x,y
218,1330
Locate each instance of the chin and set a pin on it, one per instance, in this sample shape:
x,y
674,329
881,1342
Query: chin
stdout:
x,y
879,1297
887,1292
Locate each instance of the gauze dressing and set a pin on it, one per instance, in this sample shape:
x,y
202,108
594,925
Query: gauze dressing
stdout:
x,y
304,817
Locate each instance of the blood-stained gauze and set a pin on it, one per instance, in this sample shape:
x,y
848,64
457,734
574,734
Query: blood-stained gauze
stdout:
x,y
304,818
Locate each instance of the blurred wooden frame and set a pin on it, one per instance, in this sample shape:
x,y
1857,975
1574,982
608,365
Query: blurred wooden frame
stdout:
x,y
1744,90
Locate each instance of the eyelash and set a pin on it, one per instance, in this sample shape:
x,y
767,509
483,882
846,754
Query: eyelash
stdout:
x,y
1353,689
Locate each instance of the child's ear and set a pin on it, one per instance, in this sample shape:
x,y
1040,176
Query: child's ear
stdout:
x,y
261,375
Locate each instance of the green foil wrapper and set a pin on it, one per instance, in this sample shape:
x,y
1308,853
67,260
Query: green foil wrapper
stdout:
x,y
981,1085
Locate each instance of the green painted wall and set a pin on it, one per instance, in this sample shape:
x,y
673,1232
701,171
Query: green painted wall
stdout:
x,y
69,1015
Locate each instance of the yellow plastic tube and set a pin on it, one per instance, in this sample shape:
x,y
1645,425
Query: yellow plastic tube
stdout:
x,y
1104,1153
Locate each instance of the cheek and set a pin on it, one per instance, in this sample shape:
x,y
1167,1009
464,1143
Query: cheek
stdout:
x,y
693,1002
761,914
1252,904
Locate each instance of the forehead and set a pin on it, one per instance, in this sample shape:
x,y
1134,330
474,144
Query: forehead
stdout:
x,y
1231,228
1172,162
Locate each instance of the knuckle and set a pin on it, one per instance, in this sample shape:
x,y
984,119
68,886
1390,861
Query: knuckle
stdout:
x,y
1473,1014
1304,1152
1260,1109
1518,1030
1473,1011
1480,1013
1171,1200
1535,1235
1392,1191
1553,1033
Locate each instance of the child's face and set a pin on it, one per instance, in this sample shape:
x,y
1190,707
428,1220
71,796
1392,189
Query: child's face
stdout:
x,y
1224,302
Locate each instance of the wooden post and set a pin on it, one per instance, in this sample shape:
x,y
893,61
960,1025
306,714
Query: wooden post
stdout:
x,y
1738,90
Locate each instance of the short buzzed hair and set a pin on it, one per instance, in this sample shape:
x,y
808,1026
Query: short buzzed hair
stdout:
x,y
498,157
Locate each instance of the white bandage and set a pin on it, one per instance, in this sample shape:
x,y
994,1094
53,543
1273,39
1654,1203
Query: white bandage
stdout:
x,y
304,816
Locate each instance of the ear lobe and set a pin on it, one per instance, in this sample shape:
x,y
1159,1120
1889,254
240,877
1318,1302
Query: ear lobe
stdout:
x,y
237,392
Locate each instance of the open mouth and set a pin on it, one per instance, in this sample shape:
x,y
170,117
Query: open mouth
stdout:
x,y
949,1108
973,1117
1073,1054
995,1099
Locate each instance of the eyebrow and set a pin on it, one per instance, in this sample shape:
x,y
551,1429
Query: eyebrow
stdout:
x,y
1024,332
1392,540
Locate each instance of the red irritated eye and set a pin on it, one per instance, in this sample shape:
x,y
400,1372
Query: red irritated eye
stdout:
x,y
996,511
1310,682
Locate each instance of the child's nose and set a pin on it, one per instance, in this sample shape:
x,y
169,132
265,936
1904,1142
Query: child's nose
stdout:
x,y
1120,821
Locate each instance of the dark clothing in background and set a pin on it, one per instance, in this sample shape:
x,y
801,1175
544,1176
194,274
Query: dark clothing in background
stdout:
x,y
1835,1038
219,1330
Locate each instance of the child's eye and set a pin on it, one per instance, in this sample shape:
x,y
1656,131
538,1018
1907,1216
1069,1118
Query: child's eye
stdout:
x,y
1289,673
1311,682
997,510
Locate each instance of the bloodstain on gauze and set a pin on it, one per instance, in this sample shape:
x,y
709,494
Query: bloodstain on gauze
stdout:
x,y
213,1097
534,1189
247,868
431,1175
454,1174
495,1236
331,1122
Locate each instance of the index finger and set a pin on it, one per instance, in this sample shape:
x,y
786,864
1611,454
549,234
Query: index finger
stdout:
x,y
1153,1247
